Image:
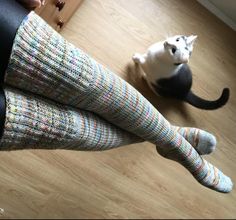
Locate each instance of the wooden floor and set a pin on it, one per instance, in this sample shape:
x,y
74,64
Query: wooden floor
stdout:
x,y
134,181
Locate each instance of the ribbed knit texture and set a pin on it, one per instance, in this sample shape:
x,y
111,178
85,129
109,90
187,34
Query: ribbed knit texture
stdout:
x,y
203,141
44,63
32,122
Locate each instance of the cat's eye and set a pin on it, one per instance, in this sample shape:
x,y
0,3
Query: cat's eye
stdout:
x,y
173,50
177,39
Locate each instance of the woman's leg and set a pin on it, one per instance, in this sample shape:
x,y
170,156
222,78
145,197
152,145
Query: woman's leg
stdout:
x,y
89,126
31,122
45,63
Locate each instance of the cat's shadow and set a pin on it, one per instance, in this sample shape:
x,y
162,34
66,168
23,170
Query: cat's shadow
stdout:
x,y
166,106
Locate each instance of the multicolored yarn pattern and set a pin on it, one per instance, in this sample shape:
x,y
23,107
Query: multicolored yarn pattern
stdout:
x,y
203,141
35,123
44,63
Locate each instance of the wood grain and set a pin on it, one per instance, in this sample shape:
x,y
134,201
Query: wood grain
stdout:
x,y
134,181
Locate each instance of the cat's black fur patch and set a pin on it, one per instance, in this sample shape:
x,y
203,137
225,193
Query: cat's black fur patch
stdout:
x,y
179,86
176,86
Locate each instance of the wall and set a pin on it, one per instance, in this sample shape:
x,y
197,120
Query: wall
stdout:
x,y
225,10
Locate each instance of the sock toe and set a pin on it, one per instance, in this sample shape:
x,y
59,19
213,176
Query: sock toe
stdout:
x,y
225,184
207,144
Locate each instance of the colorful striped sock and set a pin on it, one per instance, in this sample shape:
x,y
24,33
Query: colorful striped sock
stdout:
x,y
203,141
34,123
45,63
206,174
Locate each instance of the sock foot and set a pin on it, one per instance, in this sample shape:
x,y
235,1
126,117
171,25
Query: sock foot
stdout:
x,y
203,171
215,179
203,141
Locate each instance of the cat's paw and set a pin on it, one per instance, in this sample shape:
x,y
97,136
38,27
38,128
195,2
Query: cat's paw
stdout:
x,y
137,58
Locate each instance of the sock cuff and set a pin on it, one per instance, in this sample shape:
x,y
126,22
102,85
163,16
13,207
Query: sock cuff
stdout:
x,y
43,62
30,122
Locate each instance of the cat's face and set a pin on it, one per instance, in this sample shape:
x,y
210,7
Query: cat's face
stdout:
x,y
179,48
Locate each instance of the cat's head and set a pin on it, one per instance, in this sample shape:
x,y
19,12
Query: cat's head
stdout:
x,y
179,48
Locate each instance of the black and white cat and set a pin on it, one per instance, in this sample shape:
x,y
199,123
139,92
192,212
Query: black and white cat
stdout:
x,y
168,74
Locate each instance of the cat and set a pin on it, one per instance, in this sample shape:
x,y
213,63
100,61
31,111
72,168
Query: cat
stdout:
x,y
167,73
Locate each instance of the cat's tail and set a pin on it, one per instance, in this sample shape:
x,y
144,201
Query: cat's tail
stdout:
x,y
198,102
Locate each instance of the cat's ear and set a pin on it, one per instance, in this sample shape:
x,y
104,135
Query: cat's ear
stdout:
x,y
167,45
191,39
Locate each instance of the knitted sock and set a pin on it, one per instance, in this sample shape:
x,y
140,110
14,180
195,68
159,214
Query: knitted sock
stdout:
x,y
45,63
31,122
203,141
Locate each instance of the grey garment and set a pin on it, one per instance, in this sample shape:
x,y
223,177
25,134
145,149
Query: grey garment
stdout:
x,y
35,123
